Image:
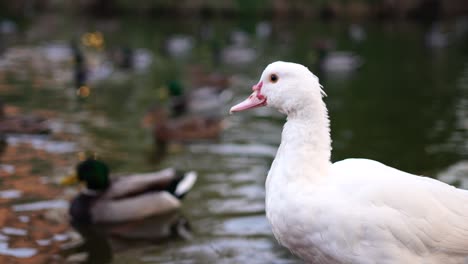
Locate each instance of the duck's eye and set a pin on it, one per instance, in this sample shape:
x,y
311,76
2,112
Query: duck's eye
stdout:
x,y
274,78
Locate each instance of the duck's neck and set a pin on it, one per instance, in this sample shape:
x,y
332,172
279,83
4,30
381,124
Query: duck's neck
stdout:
x,y
300,168
305,144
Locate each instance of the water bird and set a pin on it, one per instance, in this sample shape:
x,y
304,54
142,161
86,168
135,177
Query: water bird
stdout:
x,y
200,77
122,57
128,58
180,129
435,37
93,40
79,66
179,46
238,55
352,211
263,30
356,33
209,96
238,52
127,198
336,61
8,27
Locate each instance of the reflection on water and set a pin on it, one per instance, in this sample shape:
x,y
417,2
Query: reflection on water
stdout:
x,y
41,205
404,106
16,252
99,242
43,143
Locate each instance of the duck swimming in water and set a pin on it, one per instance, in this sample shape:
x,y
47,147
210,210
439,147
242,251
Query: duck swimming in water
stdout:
x,y
127,198
181,129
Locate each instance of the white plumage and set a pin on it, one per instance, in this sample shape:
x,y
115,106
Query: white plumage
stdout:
x,y
354,211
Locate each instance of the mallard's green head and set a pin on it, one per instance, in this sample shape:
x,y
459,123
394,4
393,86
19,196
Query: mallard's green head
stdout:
x,y
95,173
175,88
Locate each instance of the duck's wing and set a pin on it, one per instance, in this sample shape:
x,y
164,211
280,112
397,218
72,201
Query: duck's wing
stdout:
x,y
137,183
420,214
134,208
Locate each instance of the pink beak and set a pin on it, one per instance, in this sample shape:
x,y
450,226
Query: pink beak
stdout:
x,y
256,99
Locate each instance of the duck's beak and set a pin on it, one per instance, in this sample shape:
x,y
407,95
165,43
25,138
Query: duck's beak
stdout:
x,y
256,99
70,179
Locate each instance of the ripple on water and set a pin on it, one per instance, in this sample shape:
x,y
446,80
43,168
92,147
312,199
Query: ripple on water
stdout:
x,y
241,162
42,142
225,206
256,225
16,252
456,174
10,194
7,168
252,192
221,250
255,175
23,218
44,242
41,205
12,231
255,150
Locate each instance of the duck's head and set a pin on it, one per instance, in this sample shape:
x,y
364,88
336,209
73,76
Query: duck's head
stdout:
x,y
175,88
286,86
94,173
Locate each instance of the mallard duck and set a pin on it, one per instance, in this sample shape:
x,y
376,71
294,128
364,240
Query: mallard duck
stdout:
x,y
179,46
199,77
203,100
79,65
186,128
122,57
128,198
21,124
330,61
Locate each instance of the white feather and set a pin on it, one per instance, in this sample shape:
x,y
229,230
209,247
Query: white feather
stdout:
x,y
186,183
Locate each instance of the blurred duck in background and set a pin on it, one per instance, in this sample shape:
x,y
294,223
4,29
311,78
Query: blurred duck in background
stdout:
x,y
181,129
127,198
207,99
435,37
239,52
79,65
200,77
179,46
122,57
80,70
127,58
356,33
336,61
21,124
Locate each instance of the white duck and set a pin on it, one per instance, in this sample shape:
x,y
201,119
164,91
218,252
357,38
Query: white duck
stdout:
x,y
355,210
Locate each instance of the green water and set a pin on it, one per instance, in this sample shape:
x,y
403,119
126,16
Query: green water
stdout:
x,y
406,107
